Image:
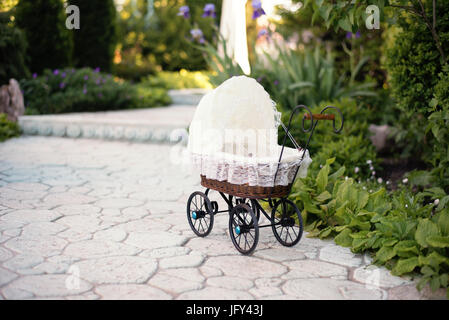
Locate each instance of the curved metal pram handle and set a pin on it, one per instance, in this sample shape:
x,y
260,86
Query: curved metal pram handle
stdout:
x,y
314,118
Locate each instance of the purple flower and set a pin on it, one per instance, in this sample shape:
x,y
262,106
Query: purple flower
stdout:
x,y
349,35
197,35
86,77
73,70
259,79
184,11
276,82
98,81
97,69
262,33
84,90
56,72
63,74
34,75
258,10
62,85
100,95
209,11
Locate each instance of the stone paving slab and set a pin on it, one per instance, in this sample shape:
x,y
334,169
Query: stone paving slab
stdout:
x,y
160,125
91,219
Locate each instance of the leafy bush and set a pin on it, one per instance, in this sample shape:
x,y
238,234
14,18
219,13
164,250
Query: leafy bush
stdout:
x,y
8,129
161,41
352,148
418,78
403,232
94,42
12,51
50,43
71,90
179,80
293,77
308,77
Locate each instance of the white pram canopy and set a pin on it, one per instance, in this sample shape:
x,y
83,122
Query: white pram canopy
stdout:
x,y
233,137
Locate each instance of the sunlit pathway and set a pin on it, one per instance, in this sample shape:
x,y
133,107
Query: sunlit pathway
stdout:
x,y
93,219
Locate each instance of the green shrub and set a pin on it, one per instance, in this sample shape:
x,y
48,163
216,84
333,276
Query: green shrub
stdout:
x,y
352,148
95,41
12,51
179,80
162,41
50,43
401,230
71,90
8,129
418,79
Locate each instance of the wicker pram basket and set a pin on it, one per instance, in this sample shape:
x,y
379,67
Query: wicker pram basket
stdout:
x,y
245,190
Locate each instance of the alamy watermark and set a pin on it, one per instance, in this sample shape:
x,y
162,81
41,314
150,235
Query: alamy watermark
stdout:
x,y
73,18
373,19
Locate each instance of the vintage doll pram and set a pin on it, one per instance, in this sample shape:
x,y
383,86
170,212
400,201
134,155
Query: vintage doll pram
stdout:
x,y
245,202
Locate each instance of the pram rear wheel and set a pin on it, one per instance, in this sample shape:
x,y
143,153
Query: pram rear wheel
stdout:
x,y
200,214
243,228
287,222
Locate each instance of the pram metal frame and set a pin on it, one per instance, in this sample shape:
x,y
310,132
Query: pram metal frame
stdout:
x,y
244,214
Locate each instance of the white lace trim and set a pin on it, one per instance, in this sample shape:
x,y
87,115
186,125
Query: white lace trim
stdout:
x,y
252,171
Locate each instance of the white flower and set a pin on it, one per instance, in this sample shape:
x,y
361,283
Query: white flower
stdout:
x,y
379,180
371,168
436,202
371,191
405,181
364,188
346,178
321,165
388,182
406,205
373,173
356,169
369,161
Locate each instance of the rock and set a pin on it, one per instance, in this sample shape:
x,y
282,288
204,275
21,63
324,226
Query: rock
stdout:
x,y
380,136
11,100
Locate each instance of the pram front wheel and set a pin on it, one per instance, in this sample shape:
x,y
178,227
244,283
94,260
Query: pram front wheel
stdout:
x,y
249,202
243,228
287,222
200,214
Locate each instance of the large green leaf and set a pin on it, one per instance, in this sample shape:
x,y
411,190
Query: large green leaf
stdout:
x,y
406,248
443,222
426,228
322,178
325,195
343,238
405,266
385,254
438,241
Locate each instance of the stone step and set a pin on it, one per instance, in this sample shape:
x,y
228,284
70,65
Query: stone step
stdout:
x,y
187,96
154,125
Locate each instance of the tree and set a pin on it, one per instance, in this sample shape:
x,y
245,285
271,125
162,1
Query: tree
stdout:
x,y
49,41
12,51
353,15
95,41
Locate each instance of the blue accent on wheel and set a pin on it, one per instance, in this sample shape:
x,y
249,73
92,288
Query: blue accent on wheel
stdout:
x,y
237,230
194,215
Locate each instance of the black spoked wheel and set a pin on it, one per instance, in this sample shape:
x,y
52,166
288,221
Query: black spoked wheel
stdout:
x,y
199,214
287,222
249,202
243,228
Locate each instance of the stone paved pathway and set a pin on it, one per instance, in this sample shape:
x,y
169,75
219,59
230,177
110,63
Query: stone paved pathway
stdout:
x,y
92,219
